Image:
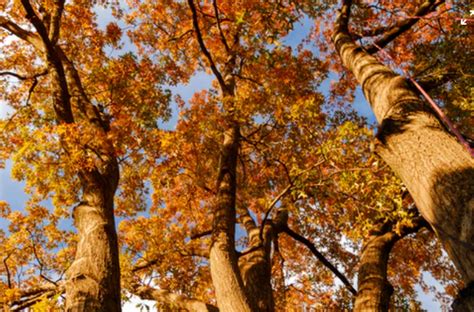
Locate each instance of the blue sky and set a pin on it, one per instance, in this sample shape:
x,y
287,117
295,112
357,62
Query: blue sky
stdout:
x,y
12,191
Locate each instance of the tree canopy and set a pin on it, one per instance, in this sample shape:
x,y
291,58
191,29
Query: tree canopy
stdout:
x,y
269,191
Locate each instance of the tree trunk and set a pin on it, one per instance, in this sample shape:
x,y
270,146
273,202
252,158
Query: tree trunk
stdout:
x,y
373,288
434,166
256,269
225,273
465,300
93,280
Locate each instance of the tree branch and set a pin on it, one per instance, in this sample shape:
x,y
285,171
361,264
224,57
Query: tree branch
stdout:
x,y
223,39
201,234
174,300
320,257
432,82
20,77
21,33
62,105
284,192
246,219
9,282
55,23
400,27
31,296
40,262
204,50
270,207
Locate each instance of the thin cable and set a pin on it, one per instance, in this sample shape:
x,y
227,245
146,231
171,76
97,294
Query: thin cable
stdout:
x,y
435,107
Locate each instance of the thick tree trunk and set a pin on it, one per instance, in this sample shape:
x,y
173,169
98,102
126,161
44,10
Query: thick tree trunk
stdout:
x,y
256,269
225,273
373,288
93,280
435,167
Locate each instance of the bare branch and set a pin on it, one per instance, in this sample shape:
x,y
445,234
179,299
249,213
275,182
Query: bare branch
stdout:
x,y
38,259
20,77
246,219
320,257
270,207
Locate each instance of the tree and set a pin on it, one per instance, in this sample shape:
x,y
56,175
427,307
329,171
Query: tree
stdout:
x,y
432,163
63,138
260,197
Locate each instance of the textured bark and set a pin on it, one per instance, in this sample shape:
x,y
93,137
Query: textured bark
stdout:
x,y
93,280
374,290
228,284
256,269
435,167
225,273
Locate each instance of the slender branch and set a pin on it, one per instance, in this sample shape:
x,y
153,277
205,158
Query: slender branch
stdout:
x,y
40,262
204,50
320,257
20,77
9,282
31,296
270,207
429,83
201,234
144,266
283,193
33,86
223,39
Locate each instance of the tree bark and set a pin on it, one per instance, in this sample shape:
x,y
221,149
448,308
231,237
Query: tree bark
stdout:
x,y
256,269
93,280
435,167
224,268
373,288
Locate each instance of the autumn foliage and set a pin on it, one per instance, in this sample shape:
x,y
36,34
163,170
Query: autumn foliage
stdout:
x,y
265,190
